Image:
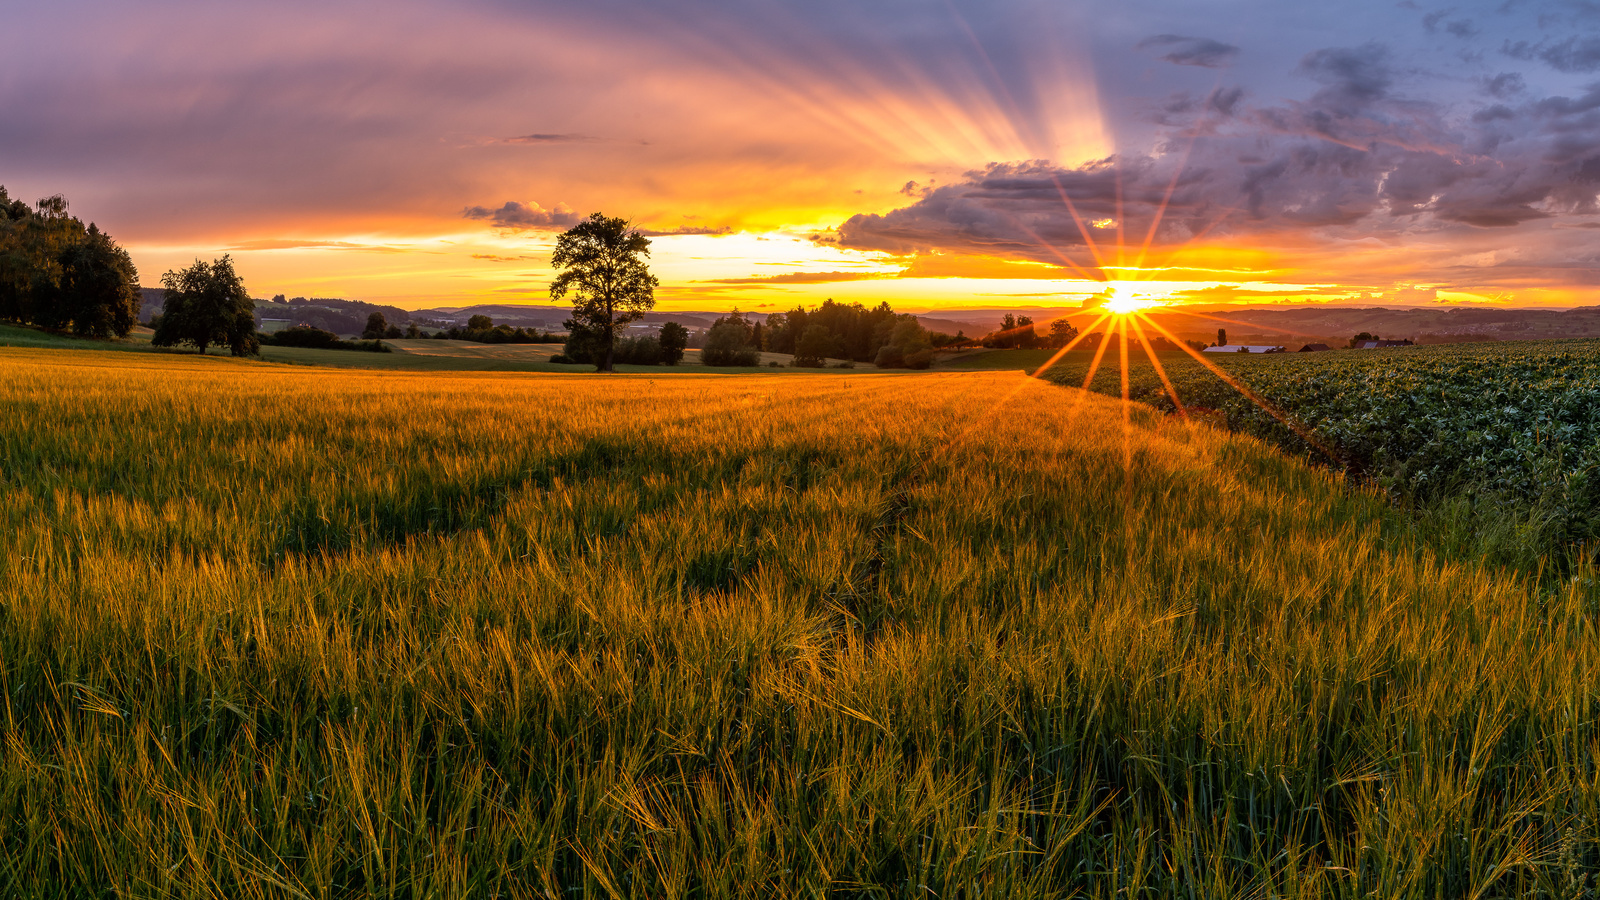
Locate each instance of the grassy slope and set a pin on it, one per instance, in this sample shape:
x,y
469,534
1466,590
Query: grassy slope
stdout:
x,y
409,355
268,631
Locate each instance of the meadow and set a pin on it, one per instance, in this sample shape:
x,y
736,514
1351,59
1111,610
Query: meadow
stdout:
x,y
271,631
406,355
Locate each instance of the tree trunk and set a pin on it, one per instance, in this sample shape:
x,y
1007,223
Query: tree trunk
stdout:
x,y
202,348
611,342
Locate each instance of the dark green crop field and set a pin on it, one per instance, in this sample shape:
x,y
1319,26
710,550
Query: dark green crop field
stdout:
x,y
1512,429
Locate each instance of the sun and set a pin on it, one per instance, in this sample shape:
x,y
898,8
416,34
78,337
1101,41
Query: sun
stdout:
x,y
1124,301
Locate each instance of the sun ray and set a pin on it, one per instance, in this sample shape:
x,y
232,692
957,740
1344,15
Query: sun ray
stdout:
x,y
1122,247
1127,399
1171,251
1099,354
1266,405
1070,344
1201,315
1102,277
995,406
1161,371
1094,250
1166,198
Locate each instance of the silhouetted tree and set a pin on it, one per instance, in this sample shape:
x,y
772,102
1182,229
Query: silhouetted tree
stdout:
x,y
98,290
479,323
207,304
815,345
602,264
1061,333
729,343
56,273
673,339
1222,337
908,347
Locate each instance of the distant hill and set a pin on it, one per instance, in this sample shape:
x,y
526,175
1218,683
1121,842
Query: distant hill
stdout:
x,y
545,317
1276,324
1336,325
150,302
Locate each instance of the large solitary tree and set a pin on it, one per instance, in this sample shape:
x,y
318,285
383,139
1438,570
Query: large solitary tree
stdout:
x,y
207,304
602,263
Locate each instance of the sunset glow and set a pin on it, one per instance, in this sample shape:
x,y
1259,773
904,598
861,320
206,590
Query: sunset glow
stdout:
x,y
953,156
1124,300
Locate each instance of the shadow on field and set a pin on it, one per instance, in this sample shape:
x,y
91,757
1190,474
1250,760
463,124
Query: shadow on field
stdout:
x,y
397,511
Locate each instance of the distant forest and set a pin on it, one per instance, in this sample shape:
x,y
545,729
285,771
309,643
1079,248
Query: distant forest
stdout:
x,y
57,273
329,314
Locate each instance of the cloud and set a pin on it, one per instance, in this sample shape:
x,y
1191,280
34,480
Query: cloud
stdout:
x,y
1356,162
684,229
523,216
550,139
1505,85
801,278
1574,54
1461,28
495,257
291,244
1354,76
1191,51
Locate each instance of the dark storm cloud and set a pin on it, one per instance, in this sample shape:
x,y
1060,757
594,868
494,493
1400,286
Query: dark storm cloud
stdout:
x,y
515,215
1356,160
1191,51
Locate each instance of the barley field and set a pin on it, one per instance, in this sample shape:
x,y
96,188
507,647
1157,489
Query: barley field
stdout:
x,y
273,631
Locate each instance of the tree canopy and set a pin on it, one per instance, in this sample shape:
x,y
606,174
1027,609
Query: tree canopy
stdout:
x,y
731,342
59,274
602,265
207,304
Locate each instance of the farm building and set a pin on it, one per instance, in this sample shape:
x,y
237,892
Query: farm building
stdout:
x,y
1378,345
1314,348
1245,348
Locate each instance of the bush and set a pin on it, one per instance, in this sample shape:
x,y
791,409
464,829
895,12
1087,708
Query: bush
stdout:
x,y
307,336
744,356
846,364
638,351
564,359
921,359
889,357
775,364
303,336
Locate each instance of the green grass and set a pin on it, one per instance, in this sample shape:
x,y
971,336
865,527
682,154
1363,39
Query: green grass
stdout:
x,y
995,360
25,336
280,632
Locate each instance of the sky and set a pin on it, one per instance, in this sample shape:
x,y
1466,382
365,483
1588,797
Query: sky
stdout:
x,y
936,155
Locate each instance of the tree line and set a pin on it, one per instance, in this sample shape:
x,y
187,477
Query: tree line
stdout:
x,y
57,273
